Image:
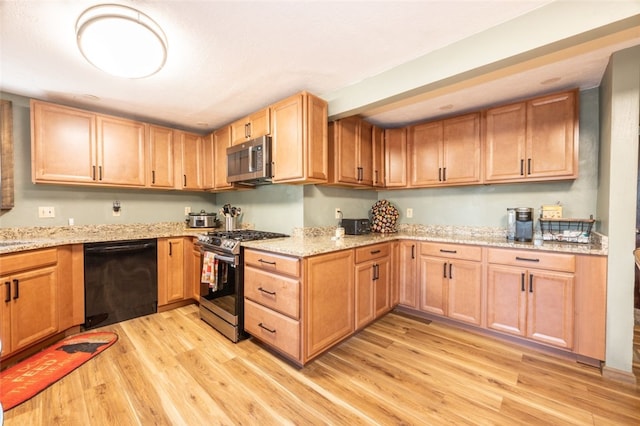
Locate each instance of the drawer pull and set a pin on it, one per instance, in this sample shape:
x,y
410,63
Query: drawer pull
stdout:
x,y
526,259
271,293
264,327
267,262
7,285
375,251
448,251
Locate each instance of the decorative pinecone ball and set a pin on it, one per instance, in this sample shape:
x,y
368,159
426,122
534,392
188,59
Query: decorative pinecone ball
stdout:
x,y
384,216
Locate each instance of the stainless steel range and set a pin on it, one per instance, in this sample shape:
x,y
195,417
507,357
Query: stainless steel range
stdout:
x,y
222,279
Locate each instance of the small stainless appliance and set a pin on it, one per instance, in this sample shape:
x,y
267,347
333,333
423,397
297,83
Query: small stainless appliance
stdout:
x,y
524,224
511,223
356,226
249,163
202,220
222,279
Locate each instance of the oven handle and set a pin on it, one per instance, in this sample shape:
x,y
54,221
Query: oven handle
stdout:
x,y
226,259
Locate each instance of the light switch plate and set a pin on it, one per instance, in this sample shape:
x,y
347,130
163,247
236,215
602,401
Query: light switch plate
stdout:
x,y
46,212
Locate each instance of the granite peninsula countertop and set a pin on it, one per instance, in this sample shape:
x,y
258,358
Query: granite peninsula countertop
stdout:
x,y
303,242
310,245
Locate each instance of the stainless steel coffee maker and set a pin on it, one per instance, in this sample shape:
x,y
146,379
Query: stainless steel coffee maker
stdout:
x,y
524,224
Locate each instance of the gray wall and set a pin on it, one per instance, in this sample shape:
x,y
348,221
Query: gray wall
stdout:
x,y
620,118
86,205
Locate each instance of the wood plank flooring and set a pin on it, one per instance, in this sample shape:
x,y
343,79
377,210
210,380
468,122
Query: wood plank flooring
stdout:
x,y
173,369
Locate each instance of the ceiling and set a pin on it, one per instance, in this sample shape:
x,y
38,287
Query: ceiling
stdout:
x,y
227,59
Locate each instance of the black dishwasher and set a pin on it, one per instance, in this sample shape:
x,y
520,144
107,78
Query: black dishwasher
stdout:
x,y
120,281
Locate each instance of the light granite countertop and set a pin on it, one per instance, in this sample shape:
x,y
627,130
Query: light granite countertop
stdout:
x,y
310,245
303,242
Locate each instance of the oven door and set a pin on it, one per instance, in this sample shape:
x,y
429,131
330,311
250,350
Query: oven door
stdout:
x,y
219,285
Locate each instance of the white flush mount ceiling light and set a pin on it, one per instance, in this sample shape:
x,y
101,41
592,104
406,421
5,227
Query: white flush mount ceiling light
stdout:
x,y
121,41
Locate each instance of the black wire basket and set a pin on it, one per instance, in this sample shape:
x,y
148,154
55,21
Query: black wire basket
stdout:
x,y
567,230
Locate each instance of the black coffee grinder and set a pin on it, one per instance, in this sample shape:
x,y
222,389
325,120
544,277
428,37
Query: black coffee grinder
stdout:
x,y
524,224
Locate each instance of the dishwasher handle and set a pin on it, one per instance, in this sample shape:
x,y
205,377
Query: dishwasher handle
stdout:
x,y
118,248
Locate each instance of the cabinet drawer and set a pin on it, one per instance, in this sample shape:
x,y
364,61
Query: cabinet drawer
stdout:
x,y
27,260
451,251
273,291
273,262
533,259
371,252
275,329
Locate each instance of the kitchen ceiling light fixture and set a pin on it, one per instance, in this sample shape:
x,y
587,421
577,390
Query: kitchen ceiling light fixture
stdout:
x,y
121,41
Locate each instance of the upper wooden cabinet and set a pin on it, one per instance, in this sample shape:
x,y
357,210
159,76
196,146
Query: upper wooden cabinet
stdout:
x,y
251,127
106,150
161,146
533,140
351,151
188,157
377,136
395,172
445,152
299,149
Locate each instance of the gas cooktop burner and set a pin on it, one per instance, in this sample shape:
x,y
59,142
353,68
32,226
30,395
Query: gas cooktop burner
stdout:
x,y
245,235
229,241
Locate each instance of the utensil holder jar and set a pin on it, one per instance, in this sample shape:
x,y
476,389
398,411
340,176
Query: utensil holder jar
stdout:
x,y
230,223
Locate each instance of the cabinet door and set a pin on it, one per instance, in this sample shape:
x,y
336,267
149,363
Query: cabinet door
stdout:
x,y
56,133
287,151
121,150
461,152
551,144
395,141
408,278
34,307
329,302
171,277
465,291
506,299
433,285
425,153
239,131
5,316
191,160
345,150
161,163
365,153
208,161
378,156
221,141
550,308
260,123
193,270
382,288
364,294
505,137
315,142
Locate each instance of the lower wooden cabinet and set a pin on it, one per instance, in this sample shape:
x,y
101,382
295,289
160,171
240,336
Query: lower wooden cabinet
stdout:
x,y
533,302
408,274
451,281
328,300
372,283
172,285
42,295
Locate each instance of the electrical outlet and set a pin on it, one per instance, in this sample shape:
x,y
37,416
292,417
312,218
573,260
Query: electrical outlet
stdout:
x,y
46,212
187,210
409,212
338,214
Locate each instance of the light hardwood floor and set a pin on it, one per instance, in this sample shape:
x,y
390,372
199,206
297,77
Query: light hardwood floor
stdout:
x,y
172,369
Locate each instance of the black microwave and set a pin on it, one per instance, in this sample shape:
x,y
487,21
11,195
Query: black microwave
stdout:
x,y
250,162
356,226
